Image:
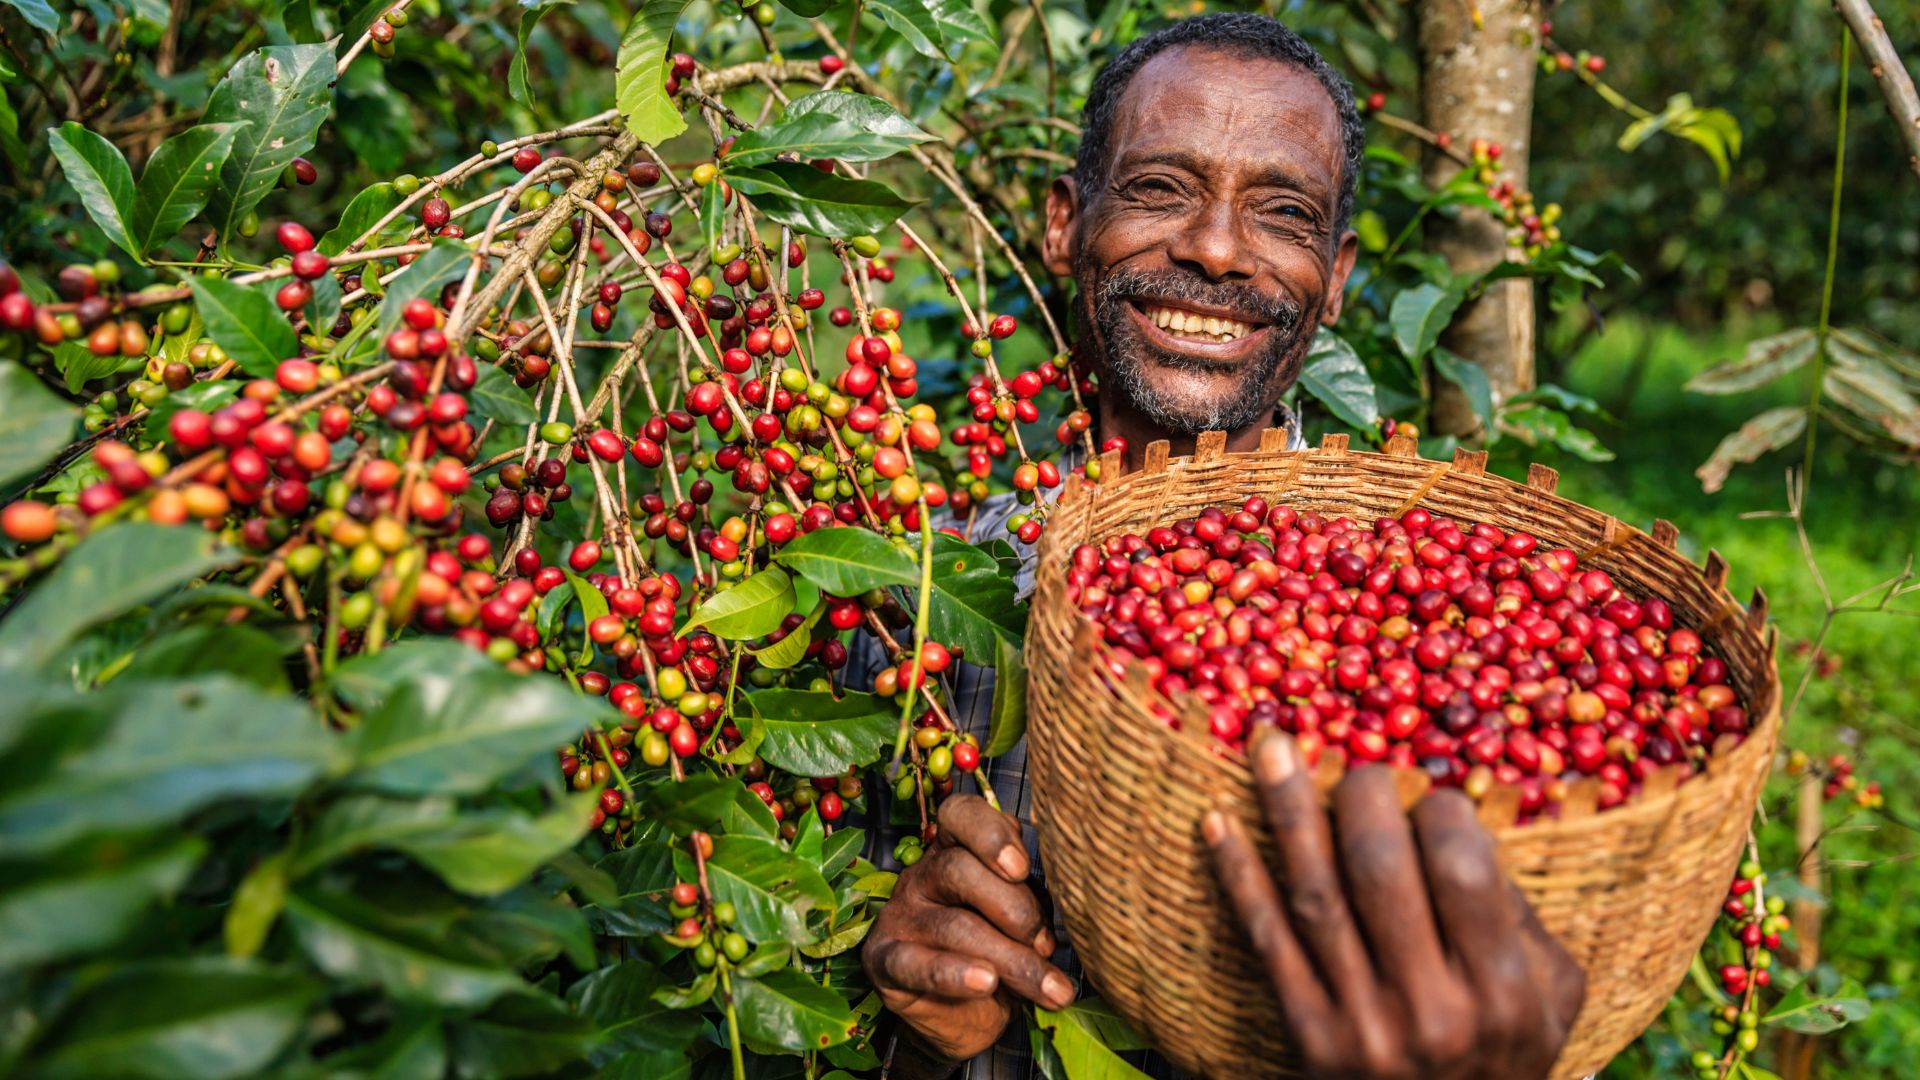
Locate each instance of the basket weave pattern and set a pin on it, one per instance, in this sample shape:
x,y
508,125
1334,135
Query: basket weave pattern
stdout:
x,y
1118,797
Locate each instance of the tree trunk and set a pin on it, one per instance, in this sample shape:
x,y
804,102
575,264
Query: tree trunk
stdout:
x,y
1477,83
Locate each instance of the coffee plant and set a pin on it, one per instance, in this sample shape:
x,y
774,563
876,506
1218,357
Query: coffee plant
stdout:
x,y
428,601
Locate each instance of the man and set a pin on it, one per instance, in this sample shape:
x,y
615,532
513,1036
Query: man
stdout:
x,y
1205,227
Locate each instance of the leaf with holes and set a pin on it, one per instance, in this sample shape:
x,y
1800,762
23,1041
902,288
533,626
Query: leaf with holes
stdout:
x,y
1767,432
284,93
1765,360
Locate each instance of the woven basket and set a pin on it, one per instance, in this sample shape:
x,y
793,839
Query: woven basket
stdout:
x,y
1630,892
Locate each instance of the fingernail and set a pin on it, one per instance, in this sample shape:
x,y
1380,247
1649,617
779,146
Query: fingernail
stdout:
x,y
1043,943
1013,862
1274,759
980,980
1214,826
1058,990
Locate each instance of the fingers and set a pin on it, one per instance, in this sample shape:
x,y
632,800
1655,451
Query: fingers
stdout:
x,y
1019,967
1478,916
1249,888
897,964
970,822
954,878
1384,878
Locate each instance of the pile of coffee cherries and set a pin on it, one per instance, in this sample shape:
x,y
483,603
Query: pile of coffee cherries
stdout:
x,y
1473,653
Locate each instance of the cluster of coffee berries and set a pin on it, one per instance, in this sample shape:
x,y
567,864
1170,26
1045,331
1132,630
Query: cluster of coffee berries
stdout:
x,y
1468,651
381,34
1838,779
1754,922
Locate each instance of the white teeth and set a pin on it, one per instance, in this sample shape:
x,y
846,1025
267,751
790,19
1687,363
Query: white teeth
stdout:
x,y
1192,324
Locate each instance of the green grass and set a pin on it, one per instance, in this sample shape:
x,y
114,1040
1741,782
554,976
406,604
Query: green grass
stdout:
x,y
1861,515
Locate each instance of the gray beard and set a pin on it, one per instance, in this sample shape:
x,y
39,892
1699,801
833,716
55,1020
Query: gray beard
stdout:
x,y
1128,354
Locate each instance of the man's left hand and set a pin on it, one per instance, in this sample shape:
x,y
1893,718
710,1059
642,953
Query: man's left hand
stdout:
x,y
1398,948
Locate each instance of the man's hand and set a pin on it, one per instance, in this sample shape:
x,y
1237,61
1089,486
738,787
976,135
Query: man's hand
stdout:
x,y
1395,952
964,935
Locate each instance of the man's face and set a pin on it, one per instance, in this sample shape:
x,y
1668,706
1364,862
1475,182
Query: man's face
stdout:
x,y
1208,257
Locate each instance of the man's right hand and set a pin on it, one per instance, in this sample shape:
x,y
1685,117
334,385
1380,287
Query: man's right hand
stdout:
x,y
964,936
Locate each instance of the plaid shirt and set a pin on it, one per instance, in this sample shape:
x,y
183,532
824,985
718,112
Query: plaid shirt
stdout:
x,y
970,700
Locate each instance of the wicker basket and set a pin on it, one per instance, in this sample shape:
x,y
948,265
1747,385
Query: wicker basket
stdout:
x,y
1630,892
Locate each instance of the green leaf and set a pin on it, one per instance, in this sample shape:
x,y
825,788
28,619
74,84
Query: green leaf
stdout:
x,y
789,1010
489,852
1009,723
246,323
815,134
808,9
640,73
249,655
144,755
869,114
593,604
460,723
693,995
411,1049
436,266
811,734
525,1034
974,605
414,955
199,1019
531,12
176,182
81,900
99,173
619,999
34,423
648,1065
959,22
1765,360
285,93
38,13
752,608
1419,315
914,21
372,204
1805,1011
1766,432
257,903
1470,377
1334,374
848,560
114,569
772,890
698,802
841,940
495,396
80,366
804,198
1079,1038
791,649
354,823
1875,394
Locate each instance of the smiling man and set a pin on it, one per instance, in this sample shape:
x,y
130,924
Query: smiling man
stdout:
x,y
1205,228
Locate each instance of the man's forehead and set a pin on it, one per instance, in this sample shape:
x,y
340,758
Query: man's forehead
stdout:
x,y
1226,104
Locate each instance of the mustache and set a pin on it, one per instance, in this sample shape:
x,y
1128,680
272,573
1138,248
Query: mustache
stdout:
x,y
1172,288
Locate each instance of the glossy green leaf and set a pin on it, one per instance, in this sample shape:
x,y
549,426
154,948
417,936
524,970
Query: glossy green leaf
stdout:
x,y
791,649
383,942
495,396
99,173
80,366
640,73
368,207
34,423
974,604
1419,314
959,23
439,264
284,92
848,560
249,655
619,1000
147,754
489,852
914,21
246,323
114,569
816,134
1470,377
811,734
1078,1037
1009,719
175,1020
38,13
1338,379
1763,434
1802,1009
176,182
641,876
841,940
693,995
863,111
804,198
1765,360
697,802
791,1011
83,899
531,12
748,610
773,891
460,723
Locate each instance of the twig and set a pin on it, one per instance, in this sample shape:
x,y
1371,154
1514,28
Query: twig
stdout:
x,y
1891,75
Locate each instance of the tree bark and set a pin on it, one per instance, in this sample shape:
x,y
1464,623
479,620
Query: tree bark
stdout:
x,y
1477,83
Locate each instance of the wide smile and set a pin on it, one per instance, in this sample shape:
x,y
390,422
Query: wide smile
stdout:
x,y
1220,336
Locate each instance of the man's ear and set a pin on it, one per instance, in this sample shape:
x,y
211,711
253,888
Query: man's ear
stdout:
x,y
1063,213
1337,285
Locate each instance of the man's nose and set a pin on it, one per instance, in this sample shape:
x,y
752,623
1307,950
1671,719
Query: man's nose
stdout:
x,y
1211,244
